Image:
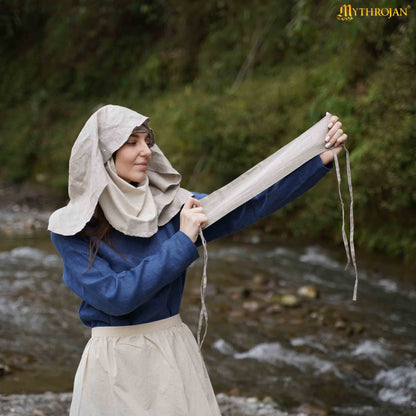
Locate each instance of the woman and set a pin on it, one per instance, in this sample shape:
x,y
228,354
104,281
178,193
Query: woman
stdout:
x,y
126,237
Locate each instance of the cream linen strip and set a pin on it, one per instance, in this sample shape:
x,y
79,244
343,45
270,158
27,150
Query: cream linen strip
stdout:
x,y
263,175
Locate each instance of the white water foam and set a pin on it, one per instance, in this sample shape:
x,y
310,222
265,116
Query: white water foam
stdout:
x,y
314,256
30,257
278,355
399,385
373,350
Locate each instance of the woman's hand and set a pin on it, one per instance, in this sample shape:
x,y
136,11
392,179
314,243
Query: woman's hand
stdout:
x,y
192,218
337,137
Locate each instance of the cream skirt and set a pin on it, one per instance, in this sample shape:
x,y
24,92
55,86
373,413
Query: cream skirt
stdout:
x,y
151,369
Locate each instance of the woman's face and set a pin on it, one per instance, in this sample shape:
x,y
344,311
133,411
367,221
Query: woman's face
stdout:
x,y
133,157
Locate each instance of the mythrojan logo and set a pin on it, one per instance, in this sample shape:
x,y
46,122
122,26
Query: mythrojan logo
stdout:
x,y
347,12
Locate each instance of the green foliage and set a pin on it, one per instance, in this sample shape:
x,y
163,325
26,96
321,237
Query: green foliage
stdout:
x,y
225,84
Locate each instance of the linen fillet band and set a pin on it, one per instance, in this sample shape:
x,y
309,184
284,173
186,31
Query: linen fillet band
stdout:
x,y
260,177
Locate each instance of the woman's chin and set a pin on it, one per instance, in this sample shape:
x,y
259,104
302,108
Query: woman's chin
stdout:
x,y
138,178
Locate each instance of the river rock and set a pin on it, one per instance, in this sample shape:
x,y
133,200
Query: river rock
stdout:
x,y
235,295
4,369
236,314
255,239
234,392
313,410
340,324
309,291
251,306
275,308
268,399
260,279
289,300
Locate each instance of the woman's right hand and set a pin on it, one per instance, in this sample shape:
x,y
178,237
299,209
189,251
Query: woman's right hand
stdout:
x,y
192,217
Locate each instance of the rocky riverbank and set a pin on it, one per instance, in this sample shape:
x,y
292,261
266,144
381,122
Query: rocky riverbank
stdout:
x,y
57,404
25,209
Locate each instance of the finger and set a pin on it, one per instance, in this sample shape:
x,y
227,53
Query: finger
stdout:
x,y
332,121
336,126
193,202
197,209
342,139
201,218
204,222
333,130
339,142
189,202
336,136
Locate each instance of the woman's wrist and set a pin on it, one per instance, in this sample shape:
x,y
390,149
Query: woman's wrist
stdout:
x,y
325,157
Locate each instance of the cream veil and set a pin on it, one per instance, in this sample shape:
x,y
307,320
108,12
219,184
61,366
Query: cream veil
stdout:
x,y
103,133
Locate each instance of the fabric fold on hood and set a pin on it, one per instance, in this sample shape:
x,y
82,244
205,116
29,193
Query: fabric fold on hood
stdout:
x,y
130,209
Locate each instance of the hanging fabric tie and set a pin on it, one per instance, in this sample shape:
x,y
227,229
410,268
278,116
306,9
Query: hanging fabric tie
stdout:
x,y
261,176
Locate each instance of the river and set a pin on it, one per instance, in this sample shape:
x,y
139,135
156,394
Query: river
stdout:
x,y
264,338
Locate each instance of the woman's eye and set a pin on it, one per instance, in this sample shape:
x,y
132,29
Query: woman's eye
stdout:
x,y
148,142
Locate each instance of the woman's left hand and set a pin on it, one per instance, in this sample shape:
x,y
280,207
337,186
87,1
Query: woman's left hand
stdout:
x,y
334,139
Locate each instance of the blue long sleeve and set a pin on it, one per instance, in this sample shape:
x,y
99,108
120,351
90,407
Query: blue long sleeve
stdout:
x,y
148,286
120,293
270,200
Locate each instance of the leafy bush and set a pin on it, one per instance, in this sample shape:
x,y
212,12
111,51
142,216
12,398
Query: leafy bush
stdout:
x,y
225,84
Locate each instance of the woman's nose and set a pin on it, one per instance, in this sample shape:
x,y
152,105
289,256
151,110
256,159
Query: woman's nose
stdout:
x,y
145,150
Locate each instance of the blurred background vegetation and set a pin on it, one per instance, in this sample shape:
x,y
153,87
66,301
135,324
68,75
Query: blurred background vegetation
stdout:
x,y
225,83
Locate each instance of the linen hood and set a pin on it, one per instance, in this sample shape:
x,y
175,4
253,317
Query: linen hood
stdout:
x,y
106,131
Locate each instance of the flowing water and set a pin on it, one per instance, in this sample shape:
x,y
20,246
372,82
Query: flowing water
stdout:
x,y
355,358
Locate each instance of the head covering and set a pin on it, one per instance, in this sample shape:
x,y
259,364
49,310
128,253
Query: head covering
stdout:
x,y
91,178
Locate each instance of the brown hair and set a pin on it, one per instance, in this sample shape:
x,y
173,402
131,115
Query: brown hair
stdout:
x,y
101,230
